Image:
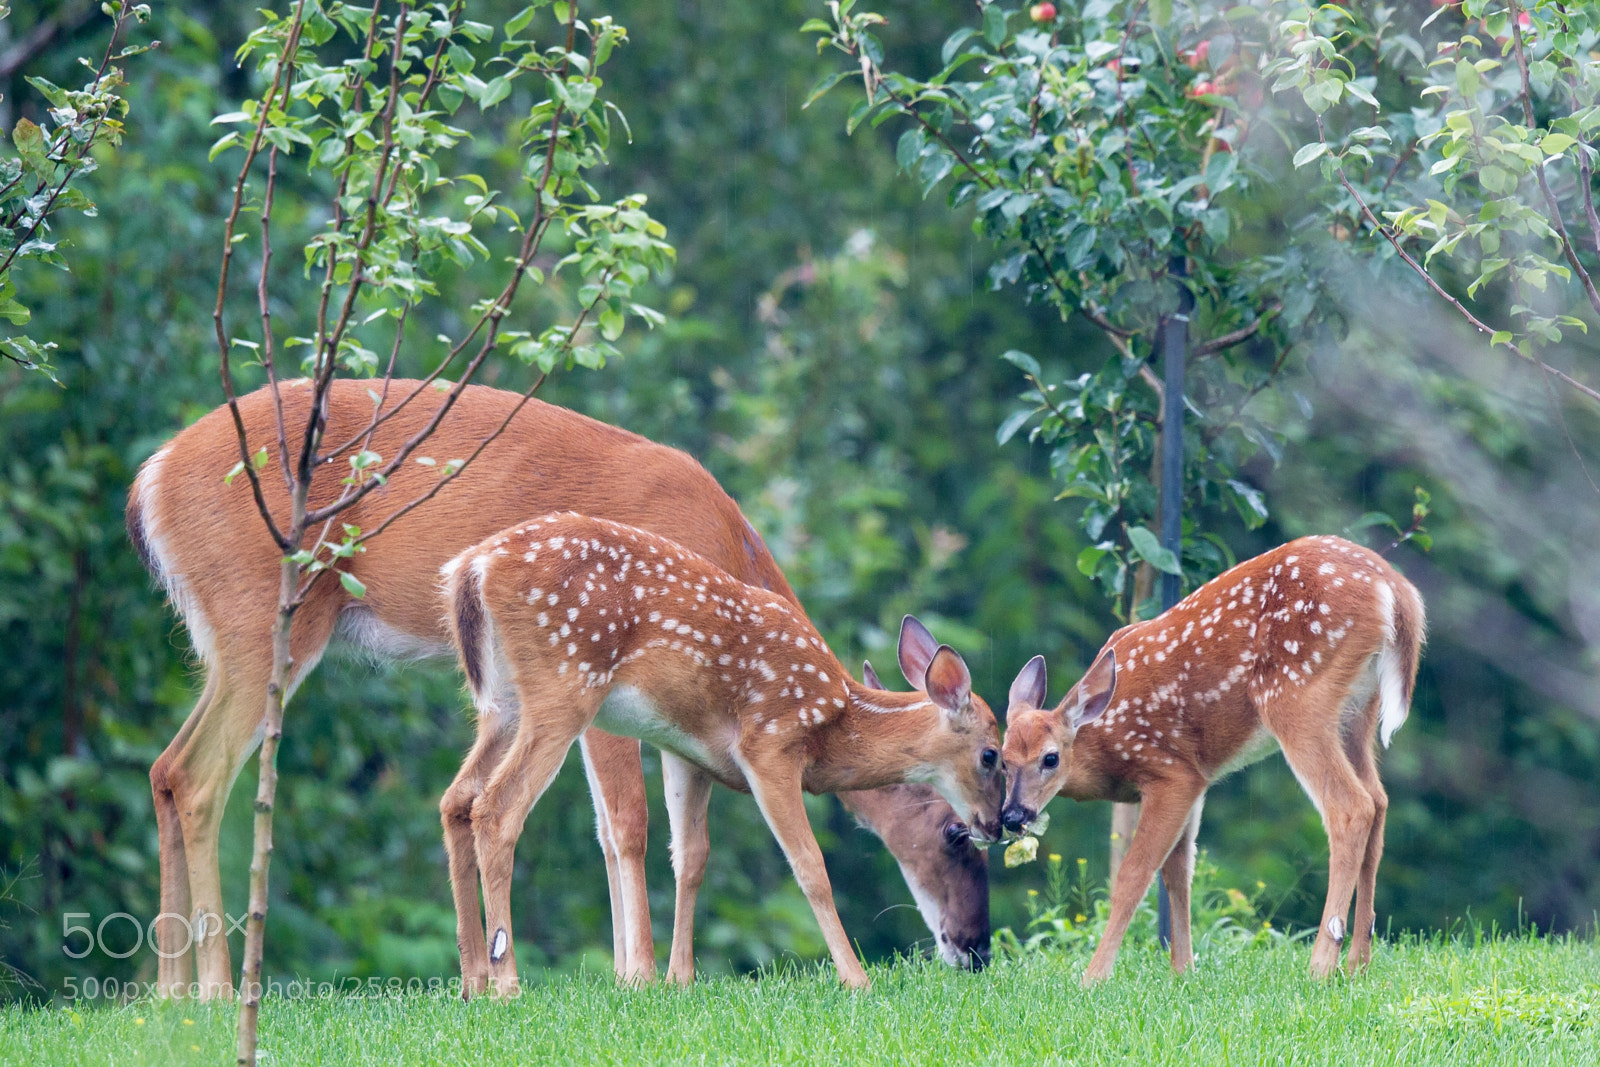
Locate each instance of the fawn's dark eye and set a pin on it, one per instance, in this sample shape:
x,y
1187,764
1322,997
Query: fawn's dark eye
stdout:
x,y
1051,759
990,757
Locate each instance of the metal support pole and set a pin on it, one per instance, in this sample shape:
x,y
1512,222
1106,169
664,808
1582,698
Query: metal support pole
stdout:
x,y
1174,351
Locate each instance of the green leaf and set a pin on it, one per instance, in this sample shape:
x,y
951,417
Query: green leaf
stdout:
x,y
1251,505
1555,143
1372,518
462,59
319,28
50,91
823,85
1359,93
1027,363
12,311
29,139
1014,422
495,91
1308,153
352,585
994,25
909,148
1148,548
1321,95
1022,850
1467,79
520,20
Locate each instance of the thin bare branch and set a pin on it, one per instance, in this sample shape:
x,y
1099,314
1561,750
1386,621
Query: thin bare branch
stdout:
x,y
533,238
1422,272
268,348
70,168
1157,386
328,341
1411,262
1119,336
1586,173
473,455
379,415
1122,109
224,346
1239,336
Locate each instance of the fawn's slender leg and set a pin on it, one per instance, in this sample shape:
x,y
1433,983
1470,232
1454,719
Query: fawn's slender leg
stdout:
x,y
616,781
1358,746
619,918
1178,875
688,795
495,730
1164,813
1318,759
777,790
545,732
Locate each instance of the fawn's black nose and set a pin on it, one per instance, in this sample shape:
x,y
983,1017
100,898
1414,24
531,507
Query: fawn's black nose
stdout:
x,y
1015,817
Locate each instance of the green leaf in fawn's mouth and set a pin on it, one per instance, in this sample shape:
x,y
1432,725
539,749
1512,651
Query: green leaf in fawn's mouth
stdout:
x,y
1022,850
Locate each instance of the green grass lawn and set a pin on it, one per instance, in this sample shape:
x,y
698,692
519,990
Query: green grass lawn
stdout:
x,y
1515,1001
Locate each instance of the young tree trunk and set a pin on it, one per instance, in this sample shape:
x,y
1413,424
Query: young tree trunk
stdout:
x,y
266,797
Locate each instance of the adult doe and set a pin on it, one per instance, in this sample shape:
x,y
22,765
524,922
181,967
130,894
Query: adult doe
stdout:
x,y
204,540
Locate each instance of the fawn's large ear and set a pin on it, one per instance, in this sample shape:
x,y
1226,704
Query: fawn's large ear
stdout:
x,y
948,682
1089,699
1029,688
869,677
917,648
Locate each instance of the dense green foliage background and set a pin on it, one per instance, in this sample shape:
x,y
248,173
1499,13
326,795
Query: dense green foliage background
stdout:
x,y
831,355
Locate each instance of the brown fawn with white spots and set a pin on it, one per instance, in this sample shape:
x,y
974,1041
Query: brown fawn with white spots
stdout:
x,y
568,621
1311,648
207,544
